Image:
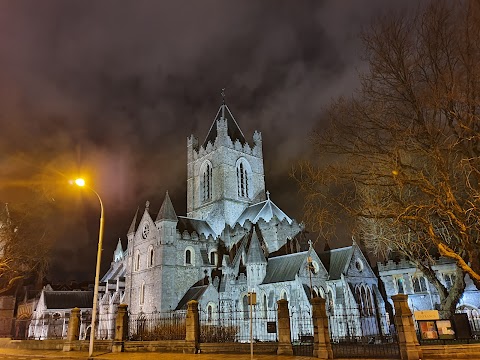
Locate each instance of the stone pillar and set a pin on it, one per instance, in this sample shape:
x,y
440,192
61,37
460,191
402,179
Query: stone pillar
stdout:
x,y
284,339
322,348
192,335
73,331
121,328
407,337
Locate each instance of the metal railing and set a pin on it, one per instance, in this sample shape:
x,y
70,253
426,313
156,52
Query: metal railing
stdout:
x,y
234,326
169,325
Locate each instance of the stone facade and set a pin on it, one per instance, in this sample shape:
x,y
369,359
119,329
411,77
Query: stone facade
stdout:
x,y
402,277
234,240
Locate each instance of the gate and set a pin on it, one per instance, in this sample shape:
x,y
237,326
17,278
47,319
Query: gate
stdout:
x,y
362,336
301,325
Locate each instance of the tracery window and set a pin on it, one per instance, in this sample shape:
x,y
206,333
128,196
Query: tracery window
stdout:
x,y
206,182
419,284
243,178
449,280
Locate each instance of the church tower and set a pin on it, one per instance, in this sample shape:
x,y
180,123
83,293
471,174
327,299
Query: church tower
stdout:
x,y
225,173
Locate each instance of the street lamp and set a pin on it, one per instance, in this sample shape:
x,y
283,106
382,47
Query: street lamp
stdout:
x,y
81,182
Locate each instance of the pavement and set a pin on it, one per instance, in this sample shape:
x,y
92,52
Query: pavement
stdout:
x,y
22,354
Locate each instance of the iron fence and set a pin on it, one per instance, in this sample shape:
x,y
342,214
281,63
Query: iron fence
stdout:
x,y
355,334
234,326
48,326
158,326
301,332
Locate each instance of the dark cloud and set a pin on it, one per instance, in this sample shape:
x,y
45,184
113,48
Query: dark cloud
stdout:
x,y
113,88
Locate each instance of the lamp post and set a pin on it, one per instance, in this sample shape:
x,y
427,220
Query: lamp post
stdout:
x,y
81,183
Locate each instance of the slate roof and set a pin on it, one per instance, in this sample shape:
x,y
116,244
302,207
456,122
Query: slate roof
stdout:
x,y
336,261
284,268
167,212
233,130
115,271
263,210
191,225
68,299
194,293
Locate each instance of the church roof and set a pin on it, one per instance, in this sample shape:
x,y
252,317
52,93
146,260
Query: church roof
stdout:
x,y
336,261
284,268
68,299
233,130
194,293
191,225
255,253
265,210
167,212
116,270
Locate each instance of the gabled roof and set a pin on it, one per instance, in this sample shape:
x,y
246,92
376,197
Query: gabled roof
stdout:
x,y
233,130
191,225
284,268
167,212
68,299
133,225
336,261
194,293
265,210
255,253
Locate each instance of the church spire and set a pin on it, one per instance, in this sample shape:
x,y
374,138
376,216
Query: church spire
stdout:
x,y
167,212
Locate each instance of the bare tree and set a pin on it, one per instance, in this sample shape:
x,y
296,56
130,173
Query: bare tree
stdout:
x,y
25,242
402,156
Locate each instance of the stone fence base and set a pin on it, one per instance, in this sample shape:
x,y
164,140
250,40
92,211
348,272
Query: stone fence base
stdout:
x,y
238,348
450,352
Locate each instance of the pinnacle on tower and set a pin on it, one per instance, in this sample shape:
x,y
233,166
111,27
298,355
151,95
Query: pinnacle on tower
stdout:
x,y
134,224
167,212
255,253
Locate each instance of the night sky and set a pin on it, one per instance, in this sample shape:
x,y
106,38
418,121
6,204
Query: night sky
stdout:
x,y
112,89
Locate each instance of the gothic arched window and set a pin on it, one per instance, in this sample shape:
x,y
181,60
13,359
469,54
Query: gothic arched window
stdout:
x,y
243,178
206,182
137,260
150,257
142,294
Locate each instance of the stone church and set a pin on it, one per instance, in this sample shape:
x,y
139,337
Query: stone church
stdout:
x,y
233,240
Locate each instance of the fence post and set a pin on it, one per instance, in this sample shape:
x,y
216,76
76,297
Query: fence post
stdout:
x,y
322,348
73,331
407,337
192,334
284,339
121,329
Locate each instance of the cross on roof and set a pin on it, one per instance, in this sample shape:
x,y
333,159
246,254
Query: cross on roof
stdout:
x,y
310,243
268,195
223,95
